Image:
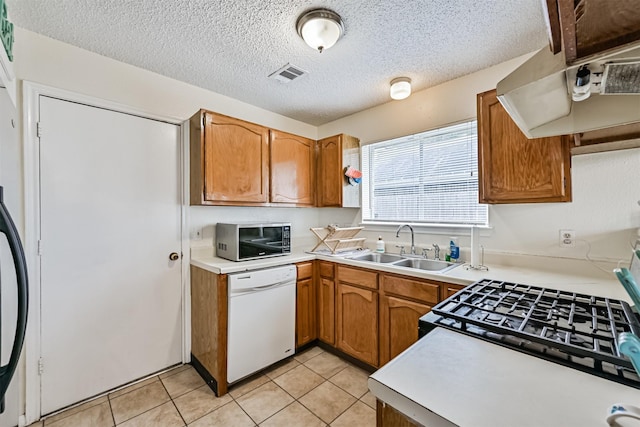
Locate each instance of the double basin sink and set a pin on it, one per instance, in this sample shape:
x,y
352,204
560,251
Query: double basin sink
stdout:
x,y
433,265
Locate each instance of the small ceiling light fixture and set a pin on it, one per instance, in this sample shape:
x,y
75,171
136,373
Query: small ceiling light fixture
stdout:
x,y
320,28
400,88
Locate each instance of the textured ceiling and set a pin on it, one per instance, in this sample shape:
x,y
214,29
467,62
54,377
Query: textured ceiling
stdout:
x,y
230,47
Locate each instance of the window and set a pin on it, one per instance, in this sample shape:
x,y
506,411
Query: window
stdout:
x,y
427,178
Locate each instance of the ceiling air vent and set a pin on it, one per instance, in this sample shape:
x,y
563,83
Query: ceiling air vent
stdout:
x,y
288,73
621,78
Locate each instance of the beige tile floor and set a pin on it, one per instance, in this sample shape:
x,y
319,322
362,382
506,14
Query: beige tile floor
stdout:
x,y
314,388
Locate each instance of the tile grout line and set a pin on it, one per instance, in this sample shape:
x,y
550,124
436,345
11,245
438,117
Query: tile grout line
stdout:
x,y
171,399
113,418
144,412
178,411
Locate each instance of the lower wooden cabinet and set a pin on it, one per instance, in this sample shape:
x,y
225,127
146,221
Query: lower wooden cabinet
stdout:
x,y
306,313
357,323
326,310
209,309
398,325
388,416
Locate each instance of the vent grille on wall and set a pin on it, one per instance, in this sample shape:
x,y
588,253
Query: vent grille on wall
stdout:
x,y
288,73
621,78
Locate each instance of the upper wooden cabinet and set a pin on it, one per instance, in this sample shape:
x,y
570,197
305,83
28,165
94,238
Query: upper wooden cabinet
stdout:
x,y
233,162
514,169
293,169
587,27
229,161
335,154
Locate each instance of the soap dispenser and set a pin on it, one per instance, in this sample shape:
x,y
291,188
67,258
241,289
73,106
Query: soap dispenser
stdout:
x,y
380,245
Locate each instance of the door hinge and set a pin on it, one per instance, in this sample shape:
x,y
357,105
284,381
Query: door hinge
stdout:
x,y
39,247
40,366
38,130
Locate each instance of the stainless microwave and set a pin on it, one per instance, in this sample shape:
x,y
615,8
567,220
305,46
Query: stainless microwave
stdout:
x,y
245,241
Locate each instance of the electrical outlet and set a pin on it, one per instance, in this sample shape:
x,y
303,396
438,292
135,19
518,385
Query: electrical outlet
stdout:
x,y
196,234
567,238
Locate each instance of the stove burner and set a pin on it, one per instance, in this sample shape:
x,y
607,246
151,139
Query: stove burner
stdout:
x,y
576,330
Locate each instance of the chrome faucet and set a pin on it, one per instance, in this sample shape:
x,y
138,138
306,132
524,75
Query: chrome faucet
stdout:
x,y
413,246
436,253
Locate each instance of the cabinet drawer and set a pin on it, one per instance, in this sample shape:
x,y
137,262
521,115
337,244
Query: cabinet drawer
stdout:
x,y
415,289
305,270
326,269
355,276
450,289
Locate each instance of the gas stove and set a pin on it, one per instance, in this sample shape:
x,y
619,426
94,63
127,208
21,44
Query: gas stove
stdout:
x,y
572,329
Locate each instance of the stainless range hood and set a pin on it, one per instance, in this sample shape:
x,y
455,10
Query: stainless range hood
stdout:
x,y
537,95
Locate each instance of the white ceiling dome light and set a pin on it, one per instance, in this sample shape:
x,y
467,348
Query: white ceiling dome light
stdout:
x,y
400,88
320,28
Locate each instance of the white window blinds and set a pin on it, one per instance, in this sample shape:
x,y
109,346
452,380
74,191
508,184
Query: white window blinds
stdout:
x,y
430,178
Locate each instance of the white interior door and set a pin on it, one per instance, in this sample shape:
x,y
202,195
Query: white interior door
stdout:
x,y
110,216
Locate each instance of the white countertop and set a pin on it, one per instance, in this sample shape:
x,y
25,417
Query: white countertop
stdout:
x,y
204,258
469,382
565,274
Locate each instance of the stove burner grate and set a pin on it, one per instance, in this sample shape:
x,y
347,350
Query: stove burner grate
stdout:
x,y
576,329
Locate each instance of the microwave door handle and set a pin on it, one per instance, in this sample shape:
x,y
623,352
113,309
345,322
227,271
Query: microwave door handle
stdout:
x,y
8,228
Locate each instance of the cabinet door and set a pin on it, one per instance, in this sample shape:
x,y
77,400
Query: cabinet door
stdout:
x,y
292,169
326,310
514,169
398,325
330,175
305,312
236,161
357,323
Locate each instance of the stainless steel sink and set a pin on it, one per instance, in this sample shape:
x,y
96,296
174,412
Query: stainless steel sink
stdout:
x,y
425,264
379,258
407,261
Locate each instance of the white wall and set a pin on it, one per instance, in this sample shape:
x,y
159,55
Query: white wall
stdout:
x,y
604,211
301,219
50,62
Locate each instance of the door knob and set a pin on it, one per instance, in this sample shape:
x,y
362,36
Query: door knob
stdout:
x,y
173,256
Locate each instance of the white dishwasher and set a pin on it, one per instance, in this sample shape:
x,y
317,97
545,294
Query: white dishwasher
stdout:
x,y
262,319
